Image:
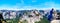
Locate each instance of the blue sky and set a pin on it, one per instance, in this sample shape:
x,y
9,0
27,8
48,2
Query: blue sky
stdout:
x,y
29,4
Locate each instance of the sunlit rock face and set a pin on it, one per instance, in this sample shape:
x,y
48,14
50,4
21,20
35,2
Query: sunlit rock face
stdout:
x,y
9,15
55,21
5,15
54,15
13,15
32,17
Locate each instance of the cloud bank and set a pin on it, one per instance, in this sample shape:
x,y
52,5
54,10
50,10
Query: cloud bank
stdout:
x,y
29,4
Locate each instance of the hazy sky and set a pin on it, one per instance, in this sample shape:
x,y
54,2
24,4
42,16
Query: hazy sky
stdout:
x,y
29,4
